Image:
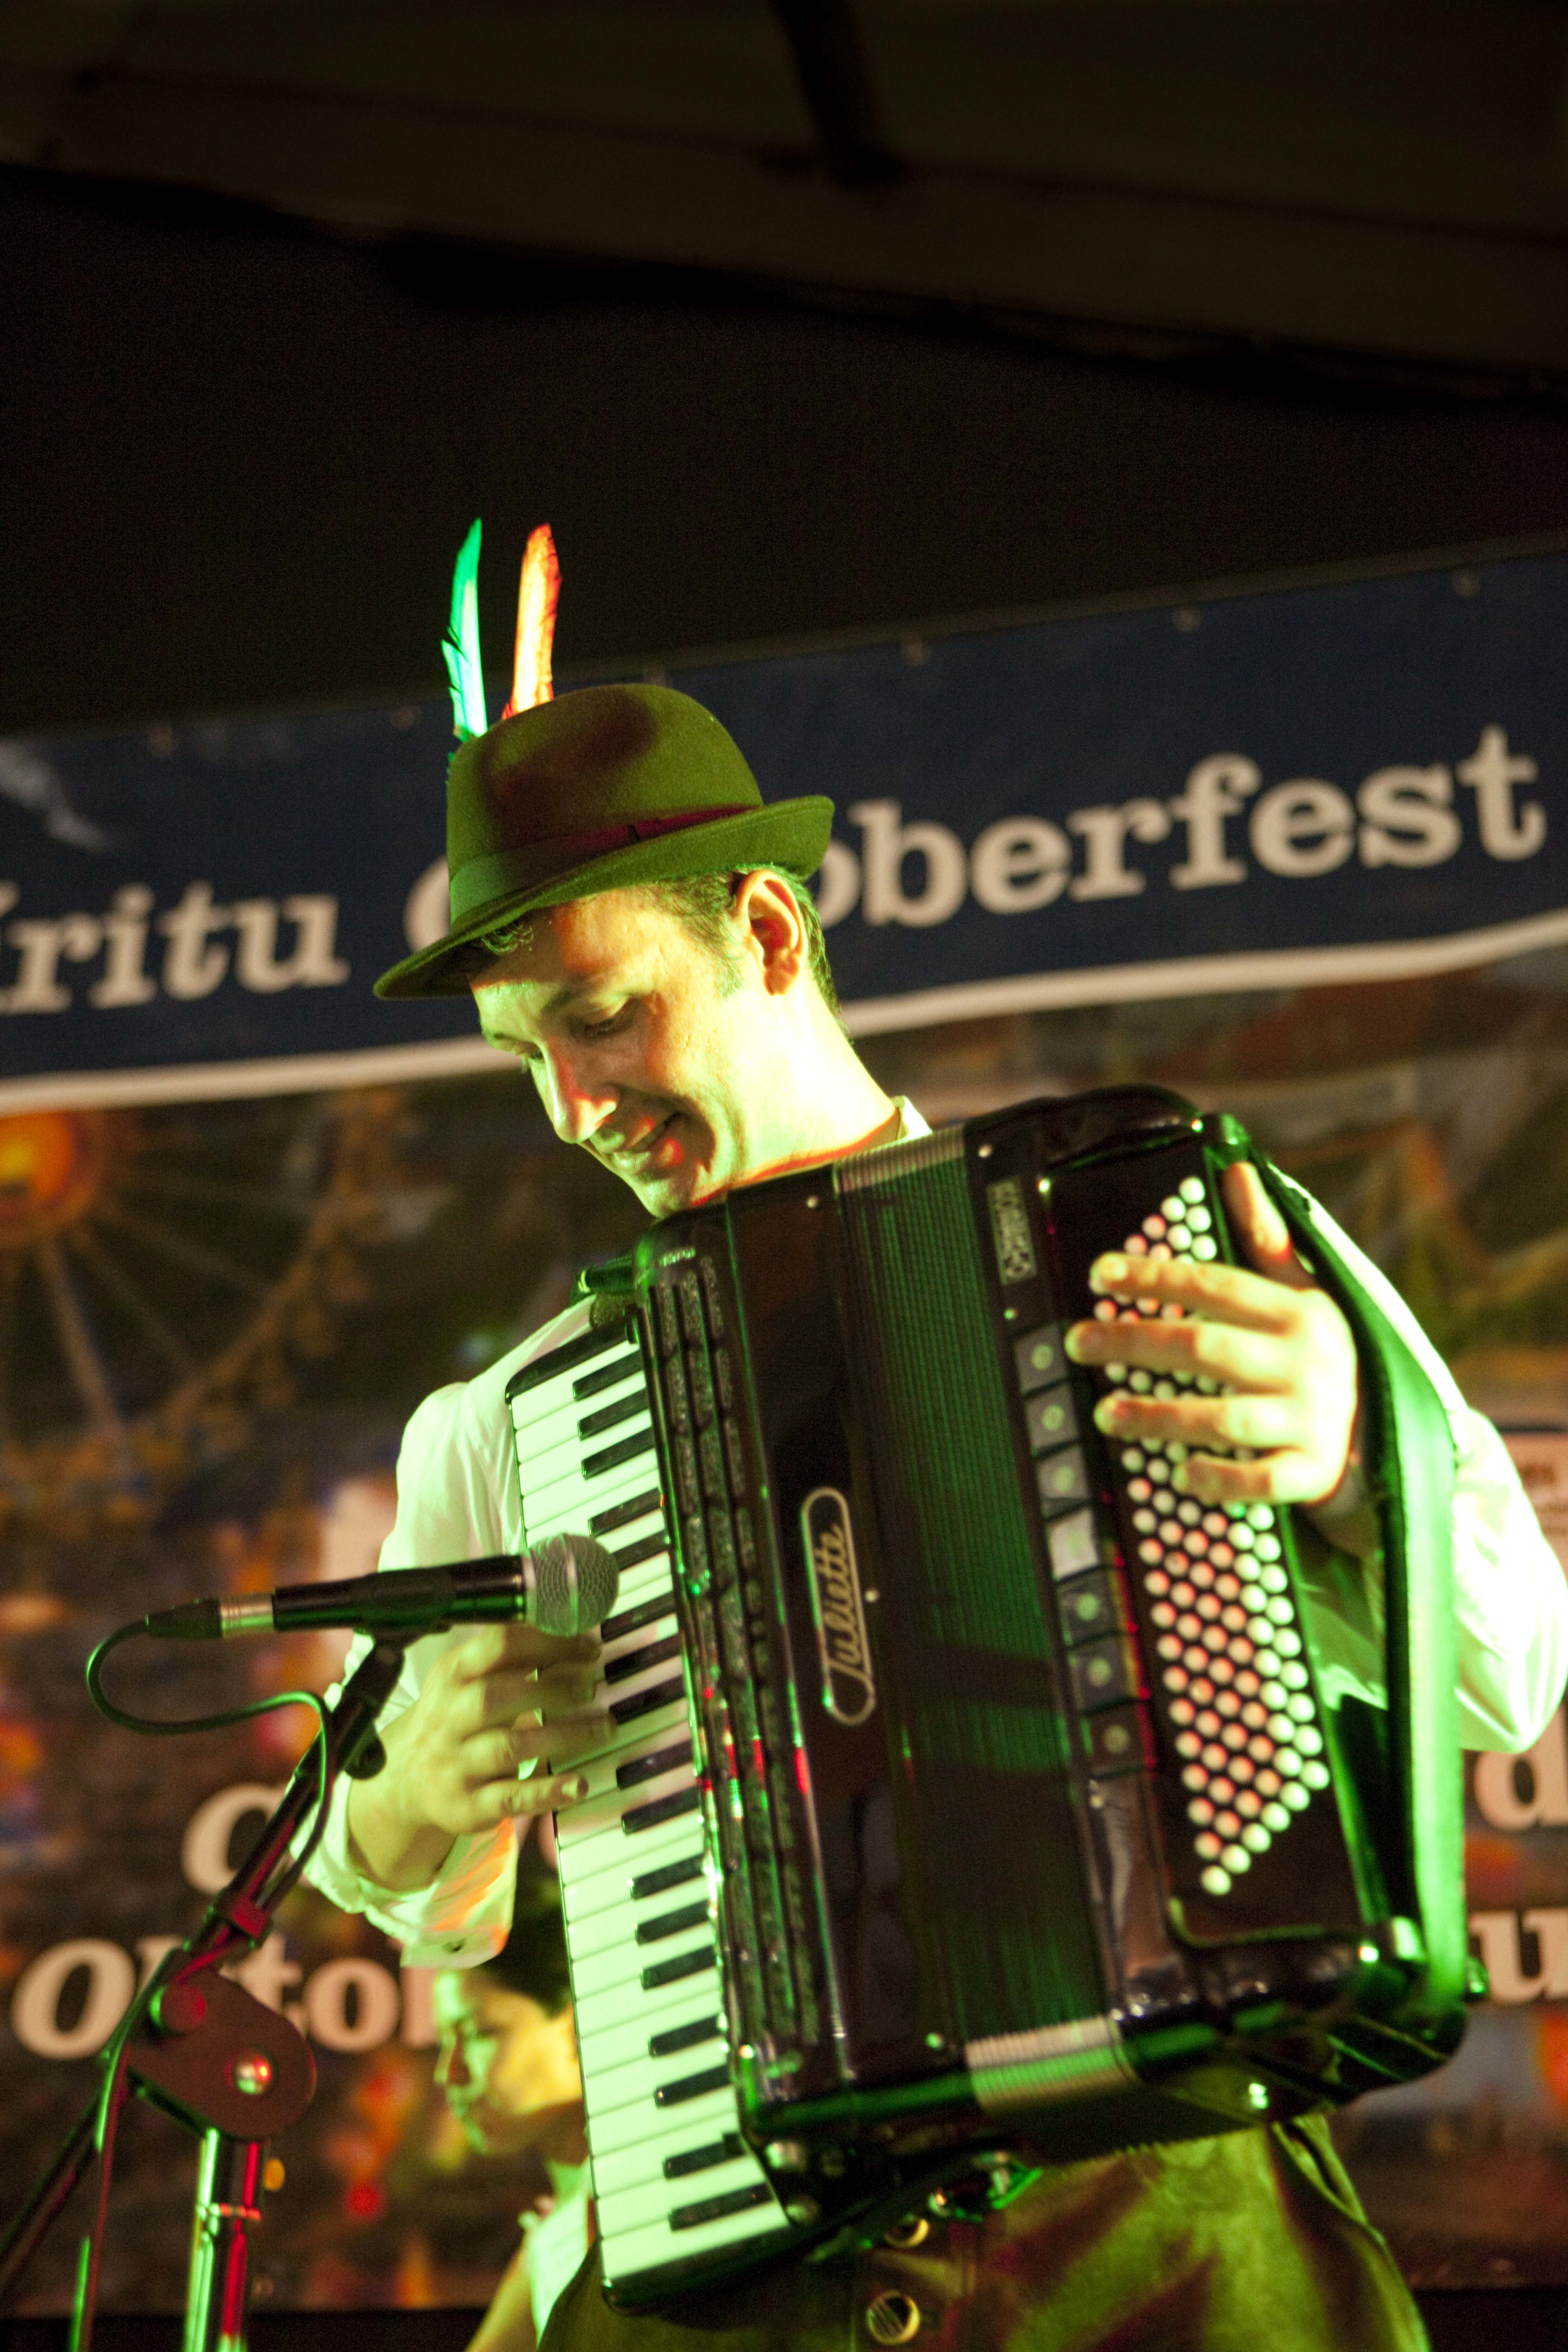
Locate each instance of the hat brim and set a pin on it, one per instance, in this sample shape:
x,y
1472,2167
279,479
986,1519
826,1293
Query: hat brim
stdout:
x,y
793,833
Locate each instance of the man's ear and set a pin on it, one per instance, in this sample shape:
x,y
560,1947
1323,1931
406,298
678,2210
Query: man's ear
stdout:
x,y
772,931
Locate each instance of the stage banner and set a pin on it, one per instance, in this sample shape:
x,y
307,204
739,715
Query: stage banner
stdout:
x,y
1358,780
1298,854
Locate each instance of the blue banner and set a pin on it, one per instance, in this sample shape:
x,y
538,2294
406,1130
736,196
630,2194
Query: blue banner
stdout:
x,y
1359,780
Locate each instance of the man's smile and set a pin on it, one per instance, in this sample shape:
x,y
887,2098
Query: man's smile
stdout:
x,y
640,1148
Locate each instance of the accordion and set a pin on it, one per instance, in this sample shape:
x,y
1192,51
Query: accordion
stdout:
x,y
976,1800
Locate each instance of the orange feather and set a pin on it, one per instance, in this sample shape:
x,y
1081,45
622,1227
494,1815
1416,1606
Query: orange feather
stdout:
x,y
539,592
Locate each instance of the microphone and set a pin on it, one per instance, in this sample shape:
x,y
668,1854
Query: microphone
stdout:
x,y
565,1585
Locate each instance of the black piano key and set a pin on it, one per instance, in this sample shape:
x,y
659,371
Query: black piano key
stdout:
x,y
549,1367
704,2159
633,1555
592,1384
693,2217
648,1702
647,1612
685,2037
649,1767
637,1662
595,1465
663,1809
604,1523
691,2086
685,1964
593,1425
672,1923
670,1873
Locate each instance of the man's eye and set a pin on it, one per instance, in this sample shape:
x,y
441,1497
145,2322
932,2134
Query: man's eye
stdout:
x,y
607,1026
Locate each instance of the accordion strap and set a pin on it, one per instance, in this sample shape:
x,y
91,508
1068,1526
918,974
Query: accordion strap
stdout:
x,y
1408,1449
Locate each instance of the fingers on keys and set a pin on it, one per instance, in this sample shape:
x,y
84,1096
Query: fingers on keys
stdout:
x,y
519,1649
541,1792
1286,1477
1228,1294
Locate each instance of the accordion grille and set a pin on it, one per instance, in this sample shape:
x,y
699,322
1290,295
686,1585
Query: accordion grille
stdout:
x,y
987,1735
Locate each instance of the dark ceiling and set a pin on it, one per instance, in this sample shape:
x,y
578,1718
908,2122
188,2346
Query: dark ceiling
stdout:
x,y
1345,174
792,320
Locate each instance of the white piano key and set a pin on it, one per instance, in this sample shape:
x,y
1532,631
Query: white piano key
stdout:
x,y
607,1802
602,1876
609,1812
602,1770
627,2210
641,2076
667,1670
614,1924
544,1418
643,1851
545,1396
623,2044
627,1964
551,1483
572,1510
624,2126
648,1584
648,1522
567,1463
565,1475
657,2246
644,2160
655,2009
661,1721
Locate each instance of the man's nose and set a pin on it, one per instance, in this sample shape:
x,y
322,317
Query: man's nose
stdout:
x,y
577,1104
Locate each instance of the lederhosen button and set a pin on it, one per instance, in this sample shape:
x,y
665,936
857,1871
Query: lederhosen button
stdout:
x,y
892,2318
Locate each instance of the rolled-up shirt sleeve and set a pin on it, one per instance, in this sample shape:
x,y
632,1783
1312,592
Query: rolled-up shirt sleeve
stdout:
x,y
1511,1598
456,1500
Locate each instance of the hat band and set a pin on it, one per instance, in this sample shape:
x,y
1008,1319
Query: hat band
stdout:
x,y
482,879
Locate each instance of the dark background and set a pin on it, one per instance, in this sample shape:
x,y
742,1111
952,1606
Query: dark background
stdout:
x,y
237,457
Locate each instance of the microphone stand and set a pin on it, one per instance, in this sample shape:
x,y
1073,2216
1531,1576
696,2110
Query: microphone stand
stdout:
x,y
222,2063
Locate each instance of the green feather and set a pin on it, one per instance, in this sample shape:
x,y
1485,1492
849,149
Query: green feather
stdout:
x,y
461,644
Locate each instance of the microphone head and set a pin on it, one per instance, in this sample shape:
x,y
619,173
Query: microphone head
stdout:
x,y
572,1584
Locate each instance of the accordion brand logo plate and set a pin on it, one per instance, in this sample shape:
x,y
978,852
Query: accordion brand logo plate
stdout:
x,y
839,1610
1010,1233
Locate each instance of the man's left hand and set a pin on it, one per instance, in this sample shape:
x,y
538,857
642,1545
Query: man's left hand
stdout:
x,y
1274,1353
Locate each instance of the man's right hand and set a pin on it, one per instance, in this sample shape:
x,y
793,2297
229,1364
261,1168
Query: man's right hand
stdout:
x,y
494,1706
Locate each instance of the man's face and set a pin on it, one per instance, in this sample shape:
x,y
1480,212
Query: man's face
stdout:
x,y
505,2063
645,1051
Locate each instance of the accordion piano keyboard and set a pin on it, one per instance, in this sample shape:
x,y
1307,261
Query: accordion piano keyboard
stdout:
x,y
674,2183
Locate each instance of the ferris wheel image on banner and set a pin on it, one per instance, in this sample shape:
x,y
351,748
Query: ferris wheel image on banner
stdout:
x,y
163,1273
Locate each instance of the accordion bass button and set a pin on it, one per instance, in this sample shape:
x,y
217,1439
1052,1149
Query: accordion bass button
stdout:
x,y
892,2318
915,2232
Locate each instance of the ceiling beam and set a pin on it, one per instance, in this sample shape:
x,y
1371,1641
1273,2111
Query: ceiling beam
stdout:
x,y
833,72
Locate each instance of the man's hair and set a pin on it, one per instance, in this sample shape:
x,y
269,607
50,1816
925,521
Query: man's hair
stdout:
x,y
533,1961
703,904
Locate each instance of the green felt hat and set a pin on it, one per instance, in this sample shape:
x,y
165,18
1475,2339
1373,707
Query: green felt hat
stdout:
x,y
609,786
595,790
